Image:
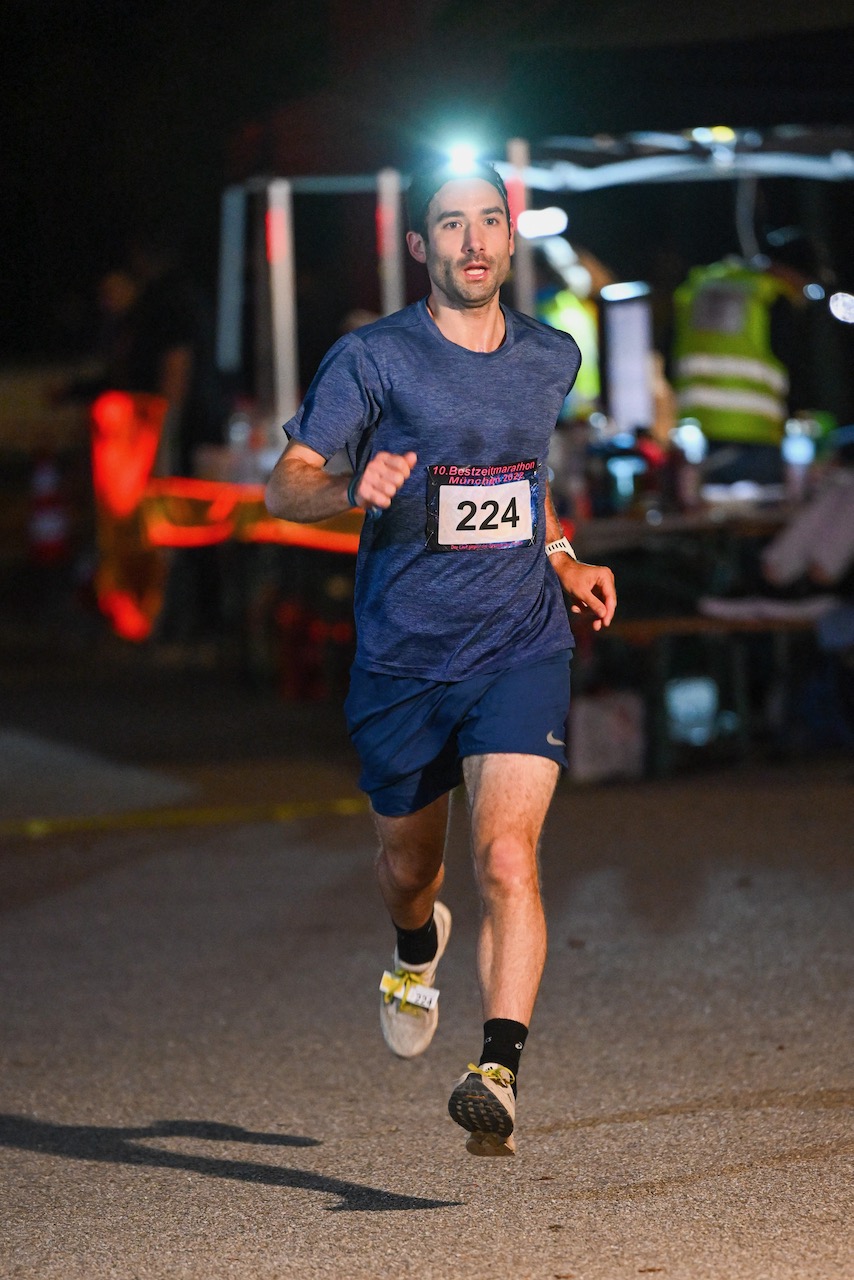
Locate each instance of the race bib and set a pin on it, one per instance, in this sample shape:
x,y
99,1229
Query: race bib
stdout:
x,y
471,508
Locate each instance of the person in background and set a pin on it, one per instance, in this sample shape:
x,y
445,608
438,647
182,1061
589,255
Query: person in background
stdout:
x,y
116,293
170,352
564,301
739,359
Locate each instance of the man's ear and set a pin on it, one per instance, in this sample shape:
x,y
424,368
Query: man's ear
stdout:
x,y
415,245
512,237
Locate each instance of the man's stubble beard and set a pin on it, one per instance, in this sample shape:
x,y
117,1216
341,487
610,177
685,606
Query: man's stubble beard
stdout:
x,y
449,280
456,288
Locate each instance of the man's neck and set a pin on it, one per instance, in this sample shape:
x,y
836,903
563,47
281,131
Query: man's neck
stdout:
x,y
475,328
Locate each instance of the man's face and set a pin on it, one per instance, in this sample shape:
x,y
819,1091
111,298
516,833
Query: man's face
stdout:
x,y
468,245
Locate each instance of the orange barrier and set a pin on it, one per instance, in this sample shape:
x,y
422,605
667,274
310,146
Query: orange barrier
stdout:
x,y
126,431
179,512
140,516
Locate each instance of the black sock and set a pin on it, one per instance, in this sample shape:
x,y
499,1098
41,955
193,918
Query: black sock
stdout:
x,y
503,1042
417,946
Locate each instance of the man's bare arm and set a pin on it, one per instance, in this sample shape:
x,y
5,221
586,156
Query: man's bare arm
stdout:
x,y
590,586
299,488
554,528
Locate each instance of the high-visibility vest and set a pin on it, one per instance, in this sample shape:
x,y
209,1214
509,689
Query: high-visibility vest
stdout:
x,y
565,310
725,372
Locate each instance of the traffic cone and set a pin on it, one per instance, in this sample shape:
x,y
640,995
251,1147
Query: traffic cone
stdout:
x,y
49,525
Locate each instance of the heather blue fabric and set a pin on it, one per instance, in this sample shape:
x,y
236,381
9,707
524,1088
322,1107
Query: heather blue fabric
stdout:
x,y
412,735
399,385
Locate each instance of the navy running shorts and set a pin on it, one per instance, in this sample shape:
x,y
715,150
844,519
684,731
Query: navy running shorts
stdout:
x,y
412,735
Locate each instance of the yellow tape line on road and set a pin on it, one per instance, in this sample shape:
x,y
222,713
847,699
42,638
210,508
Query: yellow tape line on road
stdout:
x,y
39,828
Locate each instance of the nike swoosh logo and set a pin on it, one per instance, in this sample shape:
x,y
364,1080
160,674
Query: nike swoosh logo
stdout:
x,y
553,741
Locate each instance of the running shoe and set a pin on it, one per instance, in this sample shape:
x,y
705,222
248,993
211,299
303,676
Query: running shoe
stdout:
x,y
483,1102
409,1008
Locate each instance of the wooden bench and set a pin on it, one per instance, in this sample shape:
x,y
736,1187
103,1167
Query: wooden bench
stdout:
x,y
726,639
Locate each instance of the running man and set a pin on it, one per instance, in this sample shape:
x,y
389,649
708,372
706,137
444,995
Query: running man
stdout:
x,y
463,642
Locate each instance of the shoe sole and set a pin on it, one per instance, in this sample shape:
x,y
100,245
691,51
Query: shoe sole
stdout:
x,y
473,1106
486,1144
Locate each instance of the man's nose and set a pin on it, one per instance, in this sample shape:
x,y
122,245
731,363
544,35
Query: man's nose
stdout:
x,y
472,240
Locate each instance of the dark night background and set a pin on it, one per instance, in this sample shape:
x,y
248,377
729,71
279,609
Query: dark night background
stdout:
x,y
121,115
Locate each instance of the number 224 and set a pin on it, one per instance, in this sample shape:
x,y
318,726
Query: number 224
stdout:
x,y
489,510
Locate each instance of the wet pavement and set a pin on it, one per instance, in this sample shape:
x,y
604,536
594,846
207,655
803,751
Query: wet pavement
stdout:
x,y
193,1079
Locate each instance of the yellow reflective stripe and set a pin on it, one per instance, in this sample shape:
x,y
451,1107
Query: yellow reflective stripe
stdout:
x,y
704,365
733,400
40,828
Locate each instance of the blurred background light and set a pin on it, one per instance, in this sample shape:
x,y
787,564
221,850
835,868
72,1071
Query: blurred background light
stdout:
x,y
537,224
624,289
720,133
462,157
842,306
798,451
688,437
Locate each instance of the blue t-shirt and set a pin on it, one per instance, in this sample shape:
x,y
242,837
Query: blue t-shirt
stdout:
x,y
450,582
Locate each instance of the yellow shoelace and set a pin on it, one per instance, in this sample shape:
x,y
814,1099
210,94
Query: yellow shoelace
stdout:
x,y
501,1075
405,980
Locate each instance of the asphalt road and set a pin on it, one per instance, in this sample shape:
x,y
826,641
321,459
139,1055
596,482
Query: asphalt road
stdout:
x,y
193,1079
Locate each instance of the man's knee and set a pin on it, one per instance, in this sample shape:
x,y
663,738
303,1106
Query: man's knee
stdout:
x,y
408,873
506,865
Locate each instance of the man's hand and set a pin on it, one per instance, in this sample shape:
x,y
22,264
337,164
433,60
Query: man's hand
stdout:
x,y
591,587
381,479
301,489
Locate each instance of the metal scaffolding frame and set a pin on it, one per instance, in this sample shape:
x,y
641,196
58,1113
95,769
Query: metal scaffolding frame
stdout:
x,y
561,164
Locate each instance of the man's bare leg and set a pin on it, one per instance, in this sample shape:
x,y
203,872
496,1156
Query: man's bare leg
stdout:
x,y
410,863
509,797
